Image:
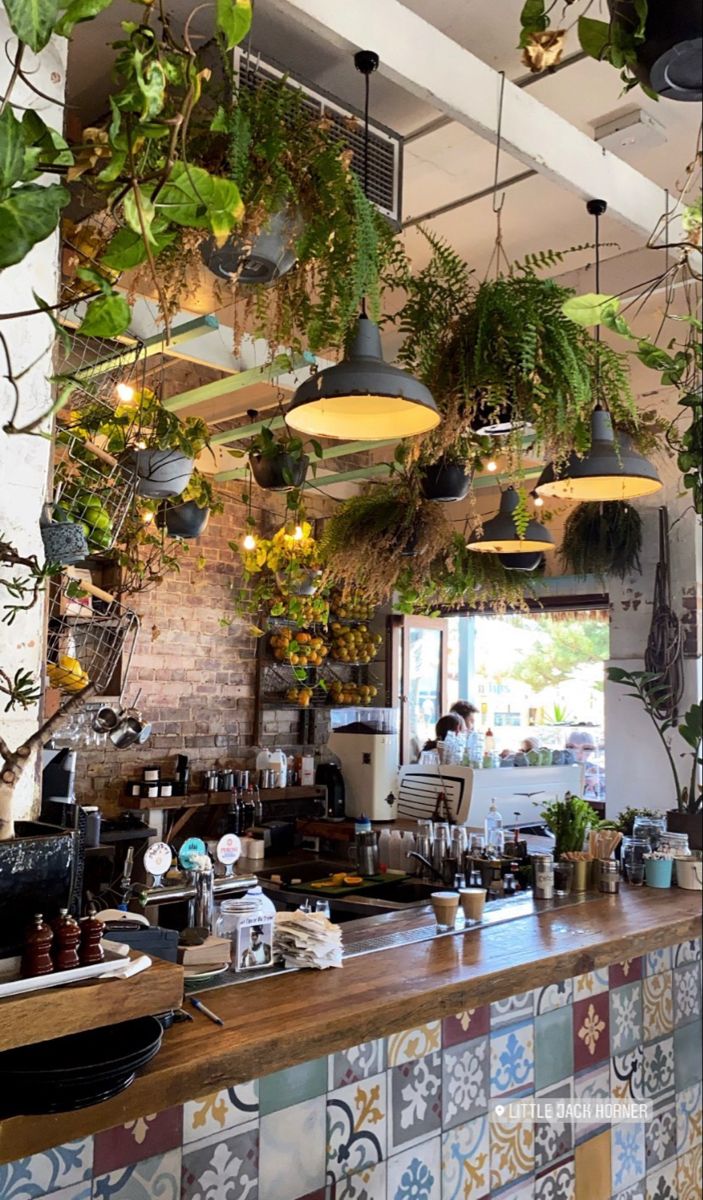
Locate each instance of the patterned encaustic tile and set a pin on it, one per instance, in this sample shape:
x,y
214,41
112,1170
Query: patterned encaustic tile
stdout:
x,y
158,1176
281,1089
48,1171
658,1069
591,983
465,1081
512,1151
512,1009
628,971
78,1191
687,952
223,1167
591,1084
660,1138
687,994
358,1062
415,1101
658,960
689,1174
463,1026
292,1155
466,1154
627,1074
554,995
689,1119
145,1137
658,1005
554,1139
627,1156
367,1184
591,1030
513,1058
416,1174
220,1111
557,1184
662,1184
411,1044
625,1017
356,1126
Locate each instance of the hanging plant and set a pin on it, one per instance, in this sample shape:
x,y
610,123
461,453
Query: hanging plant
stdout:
x,y
459,578
602,539
283,576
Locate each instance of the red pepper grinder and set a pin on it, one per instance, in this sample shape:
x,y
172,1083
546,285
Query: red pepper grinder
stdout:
x,y
36,956
92,929
68,934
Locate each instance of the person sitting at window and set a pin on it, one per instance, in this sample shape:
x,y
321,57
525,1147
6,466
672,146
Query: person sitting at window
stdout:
x,y
467,711
583,746
451,723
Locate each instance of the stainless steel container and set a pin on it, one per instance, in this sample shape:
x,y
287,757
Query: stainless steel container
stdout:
x,y
543,865
367,852
609,876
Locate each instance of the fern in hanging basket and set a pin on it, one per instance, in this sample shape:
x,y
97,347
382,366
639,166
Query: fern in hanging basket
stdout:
x,y
602,539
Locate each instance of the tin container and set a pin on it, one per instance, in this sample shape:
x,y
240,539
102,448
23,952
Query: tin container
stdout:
x,y
543,865
609,876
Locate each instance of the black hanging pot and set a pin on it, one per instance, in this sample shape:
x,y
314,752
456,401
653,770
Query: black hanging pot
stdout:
x,y
263,260
522,562
279,472
492,420
187,520
670,59
445,481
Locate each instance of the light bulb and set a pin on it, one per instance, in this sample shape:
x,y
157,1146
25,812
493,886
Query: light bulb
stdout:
x,y
491,466
538,502
298,533
147,517
141,445
249,542
125,393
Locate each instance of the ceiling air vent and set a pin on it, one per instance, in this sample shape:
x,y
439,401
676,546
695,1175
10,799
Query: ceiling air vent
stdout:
x,y
385,146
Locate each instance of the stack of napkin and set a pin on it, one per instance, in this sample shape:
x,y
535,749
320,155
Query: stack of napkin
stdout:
x,y
307,940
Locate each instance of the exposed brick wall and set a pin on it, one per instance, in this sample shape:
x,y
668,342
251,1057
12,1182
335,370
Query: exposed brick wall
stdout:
x,y
196,673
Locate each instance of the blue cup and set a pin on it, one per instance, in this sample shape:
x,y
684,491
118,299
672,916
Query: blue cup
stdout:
x,y
658,871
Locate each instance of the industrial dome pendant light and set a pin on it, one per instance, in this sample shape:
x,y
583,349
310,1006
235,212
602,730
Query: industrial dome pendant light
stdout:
x,y
500,534
363,397
612,469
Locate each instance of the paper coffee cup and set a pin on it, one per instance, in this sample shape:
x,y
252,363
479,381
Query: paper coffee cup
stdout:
x,y
472,901
445,905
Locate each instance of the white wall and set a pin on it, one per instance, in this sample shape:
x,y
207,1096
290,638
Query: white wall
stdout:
x,y
24,459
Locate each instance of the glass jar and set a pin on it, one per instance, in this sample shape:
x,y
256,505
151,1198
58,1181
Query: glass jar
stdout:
x,y
649,828
677,843
632,858
231,912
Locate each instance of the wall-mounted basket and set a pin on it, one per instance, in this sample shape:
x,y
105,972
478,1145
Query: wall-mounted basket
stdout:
x,y
91,637
92,489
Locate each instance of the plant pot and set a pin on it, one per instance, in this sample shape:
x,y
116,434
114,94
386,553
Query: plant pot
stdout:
x,y
445,481
581,875
299,582
658,872
161,473
265,259
685,822
64,543
280,472
689,874
490,421
187,520
37,868
522,562
669,59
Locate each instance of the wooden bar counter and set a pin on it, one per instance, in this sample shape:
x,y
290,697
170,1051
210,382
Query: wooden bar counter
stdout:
x,y
272,1024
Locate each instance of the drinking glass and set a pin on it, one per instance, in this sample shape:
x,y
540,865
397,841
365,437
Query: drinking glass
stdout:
x,y
477,844
323,906
563,878
633,852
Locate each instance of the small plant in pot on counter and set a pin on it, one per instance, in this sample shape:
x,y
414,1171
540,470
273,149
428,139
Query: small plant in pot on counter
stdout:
x,y
569,820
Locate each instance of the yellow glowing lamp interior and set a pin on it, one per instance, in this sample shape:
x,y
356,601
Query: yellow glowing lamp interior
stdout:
x,y
367,418
601,487
509,546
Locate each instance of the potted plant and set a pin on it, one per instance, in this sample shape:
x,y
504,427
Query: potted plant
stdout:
x,y
458,578
278,464
188,515
569,820
287,564
687,816
446,470
602,539
659,868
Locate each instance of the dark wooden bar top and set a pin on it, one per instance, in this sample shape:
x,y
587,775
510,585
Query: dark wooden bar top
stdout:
x,y
276,1022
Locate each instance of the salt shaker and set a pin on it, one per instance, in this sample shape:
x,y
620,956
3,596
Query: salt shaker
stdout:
x,y
36,956
67,933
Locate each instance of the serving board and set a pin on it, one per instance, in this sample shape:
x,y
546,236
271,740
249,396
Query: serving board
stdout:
x,y
346,889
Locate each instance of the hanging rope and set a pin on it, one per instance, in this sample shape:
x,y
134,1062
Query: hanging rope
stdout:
x,y
664,653
498,255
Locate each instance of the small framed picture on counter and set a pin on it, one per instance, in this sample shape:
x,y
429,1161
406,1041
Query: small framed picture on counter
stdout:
x,y
254,943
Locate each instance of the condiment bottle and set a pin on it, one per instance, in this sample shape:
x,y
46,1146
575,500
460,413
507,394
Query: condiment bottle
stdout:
x,y
67,934
92,929
36,957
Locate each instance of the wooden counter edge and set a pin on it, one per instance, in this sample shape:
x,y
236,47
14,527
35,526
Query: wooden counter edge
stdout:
x,y
200,1058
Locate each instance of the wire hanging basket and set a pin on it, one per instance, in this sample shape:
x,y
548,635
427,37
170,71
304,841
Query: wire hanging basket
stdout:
x,y
92,489
91,638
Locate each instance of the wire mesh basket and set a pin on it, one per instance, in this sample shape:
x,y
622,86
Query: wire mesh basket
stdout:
x,y
92,489
91,637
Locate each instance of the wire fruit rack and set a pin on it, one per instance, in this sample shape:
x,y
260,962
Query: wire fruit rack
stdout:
x,y
91,637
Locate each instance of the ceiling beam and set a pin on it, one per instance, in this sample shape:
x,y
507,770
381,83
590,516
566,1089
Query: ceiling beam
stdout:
x,y
425,62
282,364
137,351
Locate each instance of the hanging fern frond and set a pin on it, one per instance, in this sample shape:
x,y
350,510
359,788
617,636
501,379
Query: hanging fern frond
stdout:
x,y
602,539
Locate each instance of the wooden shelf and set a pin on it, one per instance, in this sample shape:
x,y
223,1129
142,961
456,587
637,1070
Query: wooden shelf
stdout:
x,y
218,799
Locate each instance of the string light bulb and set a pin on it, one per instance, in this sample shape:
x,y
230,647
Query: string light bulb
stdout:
x,y
249,541
125,393
492,466
147,516
538,501
298,534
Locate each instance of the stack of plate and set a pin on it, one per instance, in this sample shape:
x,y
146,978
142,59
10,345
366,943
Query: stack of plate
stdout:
x,y
72,1072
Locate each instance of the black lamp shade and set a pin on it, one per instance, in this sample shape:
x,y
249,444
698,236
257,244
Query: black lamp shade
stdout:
x,y
363,397
609,471
500,535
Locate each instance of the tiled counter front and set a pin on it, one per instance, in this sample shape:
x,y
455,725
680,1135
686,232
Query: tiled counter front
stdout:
x,y
404,1118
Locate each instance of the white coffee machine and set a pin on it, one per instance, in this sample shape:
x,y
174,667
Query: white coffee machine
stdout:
x,y
366,742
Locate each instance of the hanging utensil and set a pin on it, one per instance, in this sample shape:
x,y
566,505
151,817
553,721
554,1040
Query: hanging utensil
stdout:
x,y
664,653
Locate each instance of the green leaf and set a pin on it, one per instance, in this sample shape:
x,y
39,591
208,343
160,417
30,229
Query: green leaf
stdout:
x,y
126,249
533,17
589,309
219,121
594,37
12,150
106,316
32,21
59,329
132,205
195,198
90,275
53,150
79,10
27,216
233,20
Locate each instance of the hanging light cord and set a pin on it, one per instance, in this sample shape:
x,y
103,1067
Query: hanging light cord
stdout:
x,y
366,62
596,208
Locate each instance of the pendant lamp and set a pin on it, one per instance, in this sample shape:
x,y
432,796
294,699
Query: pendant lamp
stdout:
x,y
500,535
363,397
612,469
522,562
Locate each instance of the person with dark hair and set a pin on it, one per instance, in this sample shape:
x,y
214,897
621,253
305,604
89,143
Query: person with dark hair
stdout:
x,y
467,711
582,745
451,723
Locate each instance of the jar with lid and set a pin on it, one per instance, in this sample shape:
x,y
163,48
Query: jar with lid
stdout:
x,y
650,828
677,843
609,876
235,912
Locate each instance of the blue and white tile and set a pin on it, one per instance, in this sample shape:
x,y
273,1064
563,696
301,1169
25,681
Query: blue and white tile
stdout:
x,y
356,1062
356,1126
368,1184
687,994
660,1138
662,1183
591,1084
513,1059
158,1176
220,1111
658,1069
48,1171
554,1139
557,1184
292,1151
224,1166
465,1081
687,952
415,1102
689,1119
77,1191
512,1009
554,995
627,1074
658,960
591,983
625,1017
416,1174
627,1156
411,1044
466,1157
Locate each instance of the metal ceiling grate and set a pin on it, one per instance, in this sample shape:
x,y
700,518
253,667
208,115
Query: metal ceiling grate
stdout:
x,y
385,146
